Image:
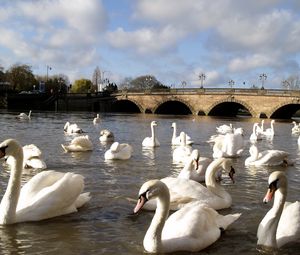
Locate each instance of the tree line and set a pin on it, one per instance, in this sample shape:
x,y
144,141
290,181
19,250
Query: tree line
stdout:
x,y
20,78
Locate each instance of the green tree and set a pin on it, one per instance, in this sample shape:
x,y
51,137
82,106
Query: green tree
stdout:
x,y
82,86
21,77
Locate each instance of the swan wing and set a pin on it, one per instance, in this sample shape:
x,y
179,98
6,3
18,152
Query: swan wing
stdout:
x,y
289,224
56,199
271,157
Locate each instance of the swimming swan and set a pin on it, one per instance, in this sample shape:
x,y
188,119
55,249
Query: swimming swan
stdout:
x,y
281,224
195,167
118,151
79,144
182,152
46,195
72,128
96,119
176,139
267,157
24,116
151,141
192,228
106,136
184,191
32,158
270,132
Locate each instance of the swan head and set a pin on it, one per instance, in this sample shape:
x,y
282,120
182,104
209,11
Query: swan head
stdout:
x,y
150,190
66,125
195,155
173,125
277,180
153,123
227,166
10,147
114,147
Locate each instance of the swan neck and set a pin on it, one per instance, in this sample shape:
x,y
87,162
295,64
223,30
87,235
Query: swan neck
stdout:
x,y
152,133
174,132
10,199
268,227
152,240
210,180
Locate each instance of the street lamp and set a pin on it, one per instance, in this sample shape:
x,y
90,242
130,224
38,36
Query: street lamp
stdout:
x,y
286,84
231,83
48,68
262,77
202,78
183,83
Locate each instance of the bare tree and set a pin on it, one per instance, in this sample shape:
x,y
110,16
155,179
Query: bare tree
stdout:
x,y
291,83
97,79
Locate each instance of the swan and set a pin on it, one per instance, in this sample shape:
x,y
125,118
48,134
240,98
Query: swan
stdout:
x,y
195,167
192,228
78,144
184,191
281,224
267,157
295,128
255,136
151,141
96,119
181,153
106,136
32,158
260,129
229,145
72,128
24,116
118,151
224,129
48,194
270,132
176,139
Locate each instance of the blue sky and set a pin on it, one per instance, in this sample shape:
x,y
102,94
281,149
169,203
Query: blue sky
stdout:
x,y
174,40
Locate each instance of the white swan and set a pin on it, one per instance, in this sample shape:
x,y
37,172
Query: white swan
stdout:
x,y
96,119
295,128
260,129
106,136
176,139
151,141
267,157
192,228
184,191
72,128
32,158
118,151
78,144
48,194
281,224
270,132
255,136
182,152
195,167
24,116
224,129
229,145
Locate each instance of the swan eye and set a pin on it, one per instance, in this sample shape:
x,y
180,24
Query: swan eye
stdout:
x,y
273,185
2,151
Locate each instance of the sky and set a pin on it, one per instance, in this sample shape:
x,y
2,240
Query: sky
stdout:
x,y
174,40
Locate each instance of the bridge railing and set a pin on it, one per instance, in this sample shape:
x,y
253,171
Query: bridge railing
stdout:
x,y
207,91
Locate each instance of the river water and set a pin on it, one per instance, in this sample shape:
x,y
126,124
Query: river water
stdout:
x,y
104,225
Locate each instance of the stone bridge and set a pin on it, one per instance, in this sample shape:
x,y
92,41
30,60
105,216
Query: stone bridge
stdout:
x,y
255,103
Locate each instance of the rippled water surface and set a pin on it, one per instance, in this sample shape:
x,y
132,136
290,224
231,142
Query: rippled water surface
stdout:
x,y
104,225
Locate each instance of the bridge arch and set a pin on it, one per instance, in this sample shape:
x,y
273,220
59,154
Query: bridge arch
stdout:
x,y
285,110
173,106
127,105
230,107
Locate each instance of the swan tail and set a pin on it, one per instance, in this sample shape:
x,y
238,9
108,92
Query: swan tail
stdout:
x,y
224,221
82,199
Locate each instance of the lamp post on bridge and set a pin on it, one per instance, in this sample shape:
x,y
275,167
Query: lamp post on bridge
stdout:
x,y
231,83
262,77
183,83
286,84
202,77
48,68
